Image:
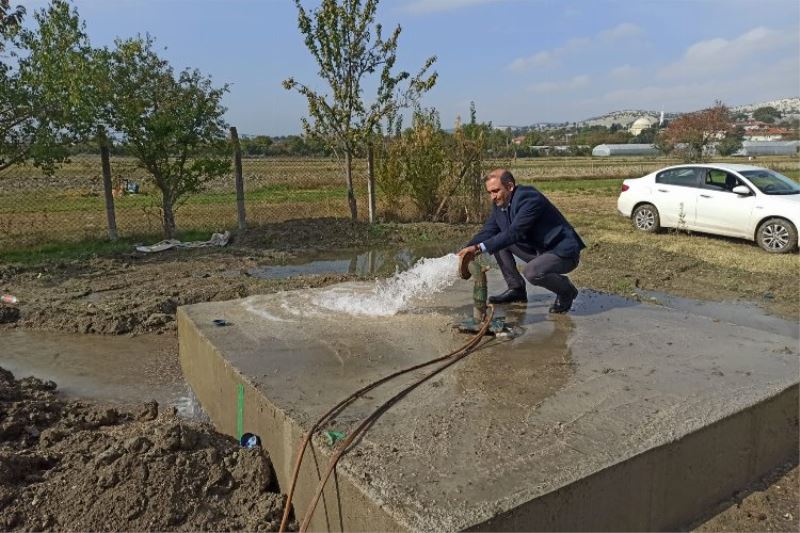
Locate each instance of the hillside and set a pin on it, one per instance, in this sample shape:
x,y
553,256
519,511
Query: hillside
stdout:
x,y
625,117
787,106
790,107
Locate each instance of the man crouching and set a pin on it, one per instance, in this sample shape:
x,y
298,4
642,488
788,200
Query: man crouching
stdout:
x,y
524,223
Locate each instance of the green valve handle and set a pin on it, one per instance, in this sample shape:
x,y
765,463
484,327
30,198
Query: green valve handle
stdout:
x,y
334,437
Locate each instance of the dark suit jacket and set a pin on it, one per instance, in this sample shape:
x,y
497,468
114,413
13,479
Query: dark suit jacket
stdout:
x,y
531,222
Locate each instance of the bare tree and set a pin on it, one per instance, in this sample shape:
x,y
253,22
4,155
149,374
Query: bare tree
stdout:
x,y
349,48
692,133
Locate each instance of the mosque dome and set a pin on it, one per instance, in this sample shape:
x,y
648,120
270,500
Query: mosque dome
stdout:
x,y
641,124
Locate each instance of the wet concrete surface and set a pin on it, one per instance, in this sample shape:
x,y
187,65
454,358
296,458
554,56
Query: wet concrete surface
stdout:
x,y
620,415
738,313
124,370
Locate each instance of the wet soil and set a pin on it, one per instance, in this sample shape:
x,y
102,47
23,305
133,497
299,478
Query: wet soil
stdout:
x,y
135,293
79,466
138,293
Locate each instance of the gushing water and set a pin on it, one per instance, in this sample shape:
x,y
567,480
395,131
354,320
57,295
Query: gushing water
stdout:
x,y
388,297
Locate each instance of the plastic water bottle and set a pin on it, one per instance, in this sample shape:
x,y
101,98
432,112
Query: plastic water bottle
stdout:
x,y
249,440
9,299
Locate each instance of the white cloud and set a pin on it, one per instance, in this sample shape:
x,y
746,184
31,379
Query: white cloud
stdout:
x,y
626,30
422,7
547,58
541,59
623,72
717,55
556,86
622,32
771,81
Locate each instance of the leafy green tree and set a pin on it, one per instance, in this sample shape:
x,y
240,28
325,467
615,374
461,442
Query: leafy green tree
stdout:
x,y
473,129
172,123
767,114
535,138
256,146
46,86
732,142
351,53
425,161
440,172
647,136
10,19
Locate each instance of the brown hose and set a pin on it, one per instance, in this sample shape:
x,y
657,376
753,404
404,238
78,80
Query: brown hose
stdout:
x,y
367,422
354,396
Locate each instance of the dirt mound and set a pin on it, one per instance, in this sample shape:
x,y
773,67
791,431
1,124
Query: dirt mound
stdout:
x,y
139,293
76,466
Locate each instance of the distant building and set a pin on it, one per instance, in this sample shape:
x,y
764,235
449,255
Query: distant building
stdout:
x,y
641,124
607,150
768,134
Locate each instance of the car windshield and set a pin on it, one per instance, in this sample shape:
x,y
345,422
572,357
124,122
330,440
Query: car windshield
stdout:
x,y
770,182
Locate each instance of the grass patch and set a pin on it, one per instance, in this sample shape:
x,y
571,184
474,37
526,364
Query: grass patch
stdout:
x,y
86,248
57,202
595,185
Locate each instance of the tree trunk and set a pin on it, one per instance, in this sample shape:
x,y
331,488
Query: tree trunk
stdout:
x,y
371,184
351,196
108,187
237,166
168,216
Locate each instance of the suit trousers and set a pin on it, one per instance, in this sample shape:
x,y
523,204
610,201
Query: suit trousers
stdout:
x,y
544,270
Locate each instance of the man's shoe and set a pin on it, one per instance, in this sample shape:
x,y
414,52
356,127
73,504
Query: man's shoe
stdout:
x,y
510,296
563,303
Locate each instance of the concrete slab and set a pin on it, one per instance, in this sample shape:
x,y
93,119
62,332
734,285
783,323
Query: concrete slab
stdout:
x,y
619,416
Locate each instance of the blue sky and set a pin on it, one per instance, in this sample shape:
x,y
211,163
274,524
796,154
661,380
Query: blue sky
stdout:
x,y
521,61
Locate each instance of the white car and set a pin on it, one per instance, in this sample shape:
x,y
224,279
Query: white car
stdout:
x,y
744,201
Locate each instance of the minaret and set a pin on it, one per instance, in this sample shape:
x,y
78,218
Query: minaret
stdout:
x,y
661,119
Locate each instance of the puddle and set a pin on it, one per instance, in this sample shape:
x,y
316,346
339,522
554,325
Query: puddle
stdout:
x,y
369,263
124,370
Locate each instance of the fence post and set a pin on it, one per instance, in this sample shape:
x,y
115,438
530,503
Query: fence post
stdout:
x,y
108,187
371,183
237,168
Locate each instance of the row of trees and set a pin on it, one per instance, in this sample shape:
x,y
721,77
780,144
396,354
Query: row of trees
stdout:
x,y
58,91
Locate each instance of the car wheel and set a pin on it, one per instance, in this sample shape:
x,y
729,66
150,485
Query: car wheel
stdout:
x,y
645,218
777,236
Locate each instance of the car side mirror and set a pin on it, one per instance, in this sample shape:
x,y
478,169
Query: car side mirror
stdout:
x,y
741,190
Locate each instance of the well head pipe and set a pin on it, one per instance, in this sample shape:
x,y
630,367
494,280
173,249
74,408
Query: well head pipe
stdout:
x,y
468,268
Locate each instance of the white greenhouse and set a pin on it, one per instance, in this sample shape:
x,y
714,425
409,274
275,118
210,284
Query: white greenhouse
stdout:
x,y
606,150
752,148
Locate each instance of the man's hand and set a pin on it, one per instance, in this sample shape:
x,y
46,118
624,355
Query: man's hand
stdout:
x,y
474,249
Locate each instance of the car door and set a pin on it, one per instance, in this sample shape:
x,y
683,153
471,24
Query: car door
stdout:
x,y
721,211
676,196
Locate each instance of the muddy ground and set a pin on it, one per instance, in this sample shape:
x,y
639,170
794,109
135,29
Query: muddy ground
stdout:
x,y
76,466
133,293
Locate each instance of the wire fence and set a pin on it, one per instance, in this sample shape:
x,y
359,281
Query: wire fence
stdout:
x,y
69,206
